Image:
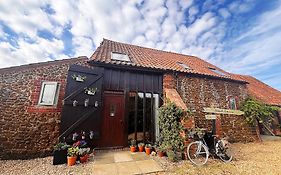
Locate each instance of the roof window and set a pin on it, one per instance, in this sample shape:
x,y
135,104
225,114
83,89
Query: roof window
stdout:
x,y
183,65
119,56
217,71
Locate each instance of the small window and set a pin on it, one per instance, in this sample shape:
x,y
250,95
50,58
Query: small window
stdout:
x,y
48,93
119,56
232,103
217,71
112,110
183,65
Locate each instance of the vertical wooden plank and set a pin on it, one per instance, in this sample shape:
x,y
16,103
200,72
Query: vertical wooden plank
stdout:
x,y
144,117
152,119
136,115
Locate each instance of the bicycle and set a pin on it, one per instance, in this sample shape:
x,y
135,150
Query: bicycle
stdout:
x,y
199,151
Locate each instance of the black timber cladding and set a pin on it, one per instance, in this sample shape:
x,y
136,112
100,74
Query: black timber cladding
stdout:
x,y
141,81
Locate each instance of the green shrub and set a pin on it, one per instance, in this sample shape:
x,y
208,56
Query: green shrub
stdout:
x,y
170,127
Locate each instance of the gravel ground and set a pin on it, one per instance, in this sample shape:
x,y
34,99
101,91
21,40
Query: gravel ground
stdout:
x,y
250,159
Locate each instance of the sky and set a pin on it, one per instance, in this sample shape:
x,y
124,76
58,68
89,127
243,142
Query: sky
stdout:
x,y
239,36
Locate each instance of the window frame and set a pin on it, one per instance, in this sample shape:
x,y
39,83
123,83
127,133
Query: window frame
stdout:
x,y
230,101
54,96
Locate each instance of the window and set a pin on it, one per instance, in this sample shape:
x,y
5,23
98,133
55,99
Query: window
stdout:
x,y
183,65
217,71
232,103
48,93
119,56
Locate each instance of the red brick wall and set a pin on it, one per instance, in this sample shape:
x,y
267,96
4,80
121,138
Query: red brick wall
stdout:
x,y
26,129
198,92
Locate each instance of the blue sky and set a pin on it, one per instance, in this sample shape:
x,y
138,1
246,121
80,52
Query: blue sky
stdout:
x,y
241,36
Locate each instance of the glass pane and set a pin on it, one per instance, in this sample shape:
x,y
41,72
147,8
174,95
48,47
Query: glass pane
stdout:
x,y
140,118
155,108
112,110
132,110
48,93
148,116
232,103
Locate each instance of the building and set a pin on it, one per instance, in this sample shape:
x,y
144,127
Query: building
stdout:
x,y
111,98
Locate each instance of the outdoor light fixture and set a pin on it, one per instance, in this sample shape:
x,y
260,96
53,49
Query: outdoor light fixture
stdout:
x,y
86,102
96,104
75,102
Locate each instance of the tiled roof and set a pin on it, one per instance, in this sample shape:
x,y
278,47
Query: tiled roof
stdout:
x,y
261,91
155,59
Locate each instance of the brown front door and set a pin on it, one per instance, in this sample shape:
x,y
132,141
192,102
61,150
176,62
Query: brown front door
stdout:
x,y
113,121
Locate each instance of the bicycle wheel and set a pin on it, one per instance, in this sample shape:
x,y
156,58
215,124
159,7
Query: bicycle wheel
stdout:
x,y
197,153
224,153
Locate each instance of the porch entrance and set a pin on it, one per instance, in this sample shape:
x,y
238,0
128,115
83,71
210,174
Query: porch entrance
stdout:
x,y
113,121
143,117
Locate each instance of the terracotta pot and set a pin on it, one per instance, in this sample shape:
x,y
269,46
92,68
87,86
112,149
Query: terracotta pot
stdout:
x,y
133,148
147,151
71,161
141,148
160,153
84,158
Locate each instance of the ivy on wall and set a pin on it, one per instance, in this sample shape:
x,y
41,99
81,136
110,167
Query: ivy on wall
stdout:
x,y
256,111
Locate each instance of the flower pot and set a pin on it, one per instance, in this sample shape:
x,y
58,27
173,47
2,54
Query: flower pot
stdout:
x,y
160,153
133,148
141,148
147,150
60,157
71,161
84,159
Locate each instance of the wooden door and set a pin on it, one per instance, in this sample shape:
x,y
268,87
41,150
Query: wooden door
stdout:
x,y
113,121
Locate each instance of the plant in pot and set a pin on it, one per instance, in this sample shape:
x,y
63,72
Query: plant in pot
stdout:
x,y
160,150
141,147
60,153
133,145
148,149
72,153
84,154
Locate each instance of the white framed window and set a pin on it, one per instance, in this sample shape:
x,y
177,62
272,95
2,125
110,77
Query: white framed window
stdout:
x,y
183,65
120,56
49,93
232,103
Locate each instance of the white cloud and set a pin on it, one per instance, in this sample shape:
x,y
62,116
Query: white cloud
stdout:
x,y
162,24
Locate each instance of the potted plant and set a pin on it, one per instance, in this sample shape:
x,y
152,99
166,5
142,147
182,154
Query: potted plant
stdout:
x,y
133,145
72,153
84,154
60,153
141,147
160,151
148,149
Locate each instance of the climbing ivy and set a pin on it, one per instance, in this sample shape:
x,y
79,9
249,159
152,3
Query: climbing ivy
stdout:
x,y
256,111
170,127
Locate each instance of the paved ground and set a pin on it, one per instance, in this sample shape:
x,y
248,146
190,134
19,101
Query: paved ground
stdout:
x,y
123,163
270,138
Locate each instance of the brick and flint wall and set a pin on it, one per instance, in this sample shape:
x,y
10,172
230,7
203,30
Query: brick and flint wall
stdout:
x,y
198,92
27,129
